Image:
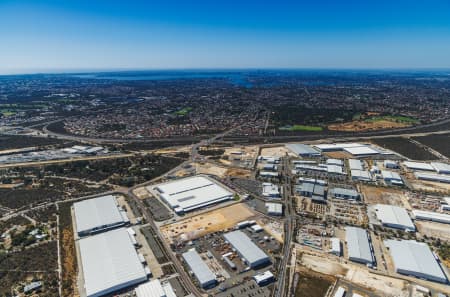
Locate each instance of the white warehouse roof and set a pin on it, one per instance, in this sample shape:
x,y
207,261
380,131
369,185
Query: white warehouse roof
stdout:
x,y
418,166
246,248
358,245
302,149
192,193
431,216
432,177
441,167
201,271
110,262
361,151
394,217
355,164
415,258
154,288
97,214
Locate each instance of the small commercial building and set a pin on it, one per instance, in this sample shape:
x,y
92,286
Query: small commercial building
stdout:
x,y
265,278
336,162
389,164
247,249
109,263
270,190
358,245
98,215
361,151
416,259
274,209
431,216
394,217
343,193
155,288
269,174
361,175
303,150
391,177
191,193
201,271
335,246
355,164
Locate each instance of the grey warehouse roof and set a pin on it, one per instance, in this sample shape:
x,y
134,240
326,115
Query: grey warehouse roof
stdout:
x,y
201,271
97,213
302,149
394,216
358,244
415,258
109,262
344,192
245,247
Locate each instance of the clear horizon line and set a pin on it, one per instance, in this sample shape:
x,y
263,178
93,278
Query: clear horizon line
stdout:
x,y
56,71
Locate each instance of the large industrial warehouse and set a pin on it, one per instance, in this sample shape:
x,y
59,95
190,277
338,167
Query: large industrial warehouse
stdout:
x,y
415,258
247,249
431,216
358,245
303,150
98,215
394,217
155,288
191,193
201,271
109,263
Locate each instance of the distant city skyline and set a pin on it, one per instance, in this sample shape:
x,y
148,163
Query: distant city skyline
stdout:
x,y
67,36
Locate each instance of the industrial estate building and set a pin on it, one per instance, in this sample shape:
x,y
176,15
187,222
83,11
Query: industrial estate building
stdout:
x,y
109,263
98,215
342,193
247,249
335,246
394,217
275,209
303,150
355,164
415,258
154,288
441,168
264,278
391,177
433,177
191,193
358,245
418,166
312,190
431,216
201,271
270,190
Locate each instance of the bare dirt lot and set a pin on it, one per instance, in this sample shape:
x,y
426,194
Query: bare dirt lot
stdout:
x,y
277,151
202,224
386,286
338,155
236,172
311,283
432,229
374,195
211,169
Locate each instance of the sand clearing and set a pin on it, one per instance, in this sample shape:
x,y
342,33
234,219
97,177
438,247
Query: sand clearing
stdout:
x,y
202,224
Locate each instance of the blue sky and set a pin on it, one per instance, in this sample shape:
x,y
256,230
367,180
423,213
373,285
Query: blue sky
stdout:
x,y
46,35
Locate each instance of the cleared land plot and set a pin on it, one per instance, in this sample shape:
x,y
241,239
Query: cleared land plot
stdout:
x,y
237,172
213,221
433,229
277,151
440,143
404,147
311,283
385,286
376,195
211,169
